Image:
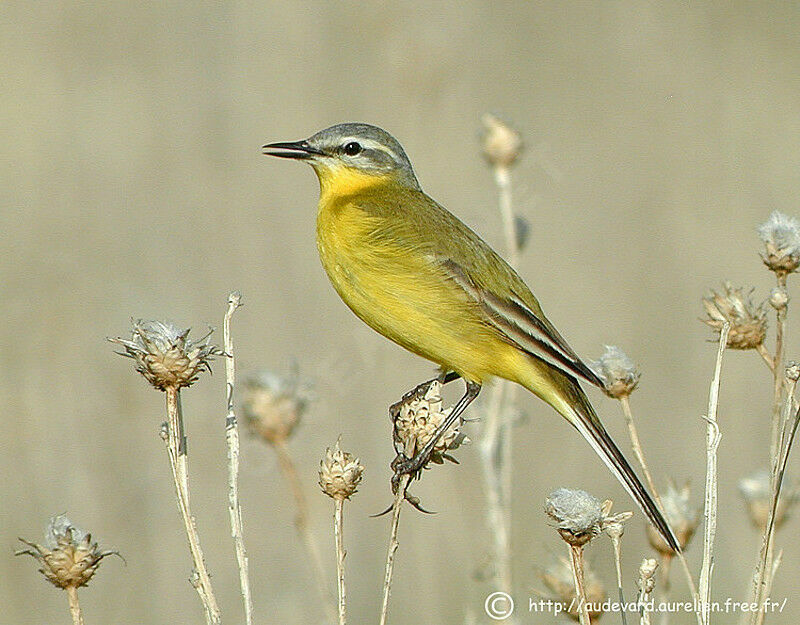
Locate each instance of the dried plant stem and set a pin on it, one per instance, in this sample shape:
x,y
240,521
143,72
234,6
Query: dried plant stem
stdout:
x,y
289,471
710,505
576,557
393,544
496,447
616,541
74,605
778,377
637,447
639,453
176,450
338,529
767,566
232,440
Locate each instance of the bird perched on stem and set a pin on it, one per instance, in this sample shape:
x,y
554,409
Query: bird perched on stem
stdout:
x,y
415,273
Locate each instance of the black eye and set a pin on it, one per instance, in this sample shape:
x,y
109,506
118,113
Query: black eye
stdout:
x,y
352,148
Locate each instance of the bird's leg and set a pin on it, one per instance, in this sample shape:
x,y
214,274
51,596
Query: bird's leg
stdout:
x,y
423,455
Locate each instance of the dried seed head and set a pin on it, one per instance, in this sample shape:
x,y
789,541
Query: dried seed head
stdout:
x,y
781,237
793,371
778,298
756,490
502,145
617,371
748,322
416,421
165,356
273,404
682,517
339,473
578,515
613,524
560,585
647,576
69,558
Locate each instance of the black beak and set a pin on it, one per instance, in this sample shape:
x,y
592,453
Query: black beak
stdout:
x,y
290,149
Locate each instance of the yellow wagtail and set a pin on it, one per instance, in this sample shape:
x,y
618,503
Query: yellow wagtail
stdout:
x,y
415,273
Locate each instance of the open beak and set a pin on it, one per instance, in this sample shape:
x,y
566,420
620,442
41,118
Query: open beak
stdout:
x,y
290,149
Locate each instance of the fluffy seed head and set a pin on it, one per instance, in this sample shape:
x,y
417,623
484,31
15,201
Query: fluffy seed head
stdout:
x,y
748,322
165,356
339,473
502,145
682,517
756,490
781,237
416,421
578,515
560,586
69,558
274,404
617,371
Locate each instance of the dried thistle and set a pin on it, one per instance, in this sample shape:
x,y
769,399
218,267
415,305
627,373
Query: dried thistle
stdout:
x,y
748,322
560,586
682,517
502,145
339,473
778,298
416,421
756,490
617,371
165,356
781,237
68,558
578,515
274,404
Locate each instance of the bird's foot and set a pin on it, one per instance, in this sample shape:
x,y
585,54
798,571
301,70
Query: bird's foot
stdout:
x,y
400,467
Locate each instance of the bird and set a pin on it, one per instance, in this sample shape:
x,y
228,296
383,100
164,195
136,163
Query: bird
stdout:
x,y
415,273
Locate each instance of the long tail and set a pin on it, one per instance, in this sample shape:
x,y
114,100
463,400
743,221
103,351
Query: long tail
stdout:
x,y
575,407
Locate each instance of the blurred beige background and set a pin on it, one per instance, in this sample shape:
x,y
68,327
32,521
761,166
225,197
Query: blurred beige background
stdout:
x,y
659,135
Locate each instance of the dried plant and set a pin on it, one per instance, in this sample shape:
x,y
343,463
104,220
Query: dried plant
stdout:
x,y
274,405
747,321
646,584
781,237
339,476
68,559
559,581
756,491
170,361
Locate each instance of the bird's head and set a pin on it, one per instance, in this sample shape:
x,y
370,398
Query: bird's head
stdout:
x,y
349,156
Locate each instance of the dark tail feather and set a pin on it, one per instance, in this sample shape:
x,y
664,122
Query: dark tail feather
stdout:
x,y
588,424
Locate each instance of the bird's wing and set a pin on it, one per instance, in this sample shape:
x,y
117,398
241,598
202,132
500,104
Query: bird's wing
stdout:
x,y
414,220
521,324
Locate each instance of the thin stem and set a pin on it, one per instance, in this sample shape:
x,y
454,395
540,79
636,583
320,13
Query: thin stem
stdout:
x,y
338,529
617,543
710,504
639,453
576,557
763,578
637,447
180,473
232,440
496,445
289,471
74,605
778,376
393,544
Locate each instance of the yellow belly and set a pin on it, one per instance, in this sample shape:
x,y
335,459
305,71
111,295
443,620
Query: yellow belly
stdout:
x,y
399,292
